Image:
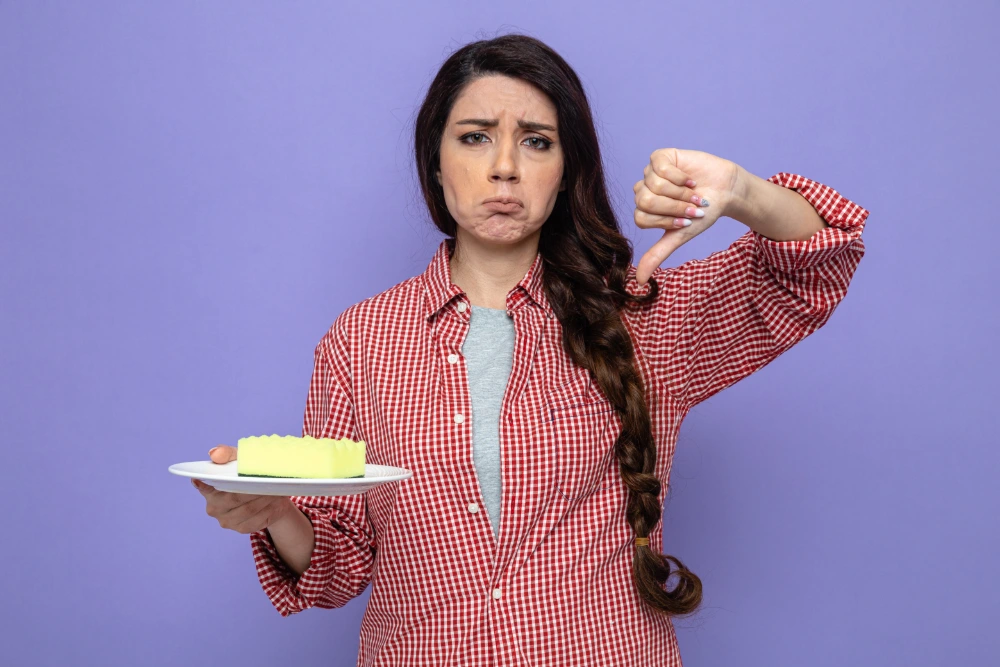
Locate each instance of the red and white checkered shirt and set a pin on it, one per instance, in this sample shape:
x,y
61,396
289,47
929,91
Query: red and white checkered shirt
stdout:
x,y
554,588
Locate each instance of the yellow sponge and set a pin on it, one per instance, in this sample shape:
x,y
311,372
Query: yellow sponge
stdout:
x,y
305,457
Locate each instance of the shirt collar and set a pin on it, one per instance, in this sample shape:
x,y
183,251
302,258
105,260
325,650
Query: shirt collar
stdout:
x,y
440,291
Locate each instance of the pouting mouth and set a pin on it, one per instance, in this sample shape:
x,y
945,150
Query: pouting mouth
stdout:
x,y
505,200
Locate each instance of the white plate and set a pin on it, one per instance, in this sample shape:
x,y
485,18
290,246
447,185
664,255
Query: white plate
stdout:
x,y
223,477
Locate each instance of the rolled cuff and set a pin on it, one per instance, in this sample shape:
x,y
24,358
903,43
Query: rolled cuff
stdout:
x,y
845,217
325,582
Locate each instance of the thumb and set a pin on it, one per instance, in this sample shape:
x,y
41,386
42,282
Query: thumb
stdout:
x,y
222,454
658,254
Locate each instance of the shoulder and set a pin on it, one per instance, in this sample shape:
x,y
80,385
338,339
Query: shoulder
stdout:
x,y
386,311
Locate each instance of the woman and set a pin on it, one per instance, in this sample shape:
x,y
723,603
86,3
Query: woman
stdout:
x,y
532,357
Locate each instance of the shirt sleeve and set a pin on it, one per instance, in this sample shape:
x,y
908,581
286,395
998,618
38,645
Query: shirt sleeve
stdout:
x,y
719,319
344,552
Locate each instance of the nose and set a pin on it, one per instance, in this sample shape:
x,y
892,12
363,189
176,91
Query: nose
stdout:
x,y
504,167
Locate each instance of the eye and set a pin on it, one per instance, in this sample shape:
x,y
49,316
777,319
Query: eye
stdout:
x,y
545,143
472,134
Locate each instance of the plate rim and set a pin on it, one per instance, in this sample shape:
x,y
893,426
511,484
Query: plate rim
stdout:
x,y
403,474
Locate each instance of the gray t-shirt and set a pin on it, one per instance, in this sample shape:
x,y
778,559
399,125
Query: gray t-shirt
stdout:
x,y
489,356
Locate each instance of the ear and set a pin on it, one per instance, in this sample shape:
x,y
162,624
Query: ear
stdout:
x,y
438,175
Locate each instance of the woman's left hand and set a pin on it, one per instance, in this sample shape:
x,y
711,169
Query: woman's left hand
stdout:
x,y
675,184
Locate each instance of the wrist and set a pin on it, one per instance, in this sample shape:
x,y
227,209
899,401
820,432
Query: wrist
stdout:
x,y
745,191
293,538
289,516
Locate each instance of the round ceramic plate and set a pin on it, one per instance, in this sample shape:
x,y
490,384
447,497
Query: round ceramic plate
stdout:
x,y
223,477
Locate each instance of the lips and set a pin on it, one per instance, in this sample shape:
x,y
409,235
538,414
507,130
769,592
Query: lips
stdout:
x,y
503,204
501,207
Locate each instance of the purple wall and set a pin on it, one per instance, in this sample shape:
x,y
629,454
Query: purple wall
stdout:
x,y
190,193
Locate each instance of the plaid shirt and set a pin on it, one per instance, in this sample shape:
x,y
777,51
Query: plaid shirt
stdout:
x,y
555,586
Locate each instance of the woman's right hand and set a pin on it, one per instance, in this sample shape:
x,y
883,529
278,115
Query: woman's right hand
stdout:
x,y
243,512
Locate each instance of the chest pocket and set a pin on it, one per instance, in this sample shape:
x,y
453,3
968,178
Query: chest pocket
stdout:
x,y
581,426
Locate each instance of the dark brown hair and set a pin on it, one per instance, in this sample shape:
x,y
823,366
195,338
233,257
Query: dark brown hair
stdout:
x,y
586,261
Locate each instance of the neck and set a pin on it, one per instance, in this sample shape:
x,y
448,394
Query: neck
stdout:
x,y
487,272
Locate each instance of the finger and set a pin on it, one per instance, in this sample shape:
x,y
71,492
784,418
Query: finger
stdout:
x,y
265,516
664,163
246,513
241,505
650,202
668,188
658,184
645,220
657,254
222,454
226,502
205,489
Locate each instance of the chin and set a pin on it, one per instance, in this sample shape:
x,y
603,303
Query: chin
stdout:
x,y
497,229
504,236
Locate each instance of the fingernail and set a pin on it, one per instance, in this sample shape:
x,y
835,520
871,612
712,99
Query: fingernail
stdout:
x,y
212,450
682,222
696,212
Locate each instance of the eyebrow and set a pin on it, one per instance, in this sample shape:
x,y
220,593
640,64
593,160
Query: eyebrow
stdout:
x,y
524,124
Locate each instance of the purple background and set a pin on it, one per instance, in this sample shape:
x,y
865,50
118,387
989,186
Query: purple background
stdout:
x,y
190,193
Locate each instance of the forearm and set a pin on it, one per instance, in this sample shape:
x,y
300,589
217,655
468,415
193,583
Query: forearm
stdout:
x,y
780,214
294,539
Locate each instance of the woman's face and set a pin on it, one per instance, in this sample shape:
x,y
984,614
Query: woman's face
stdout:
x,y
501,139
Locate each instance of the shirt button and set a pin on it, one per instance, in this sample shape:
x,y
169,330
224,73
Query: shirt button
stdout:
x,y
508,314
459,418
473,507
452,358
461,306
496,593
